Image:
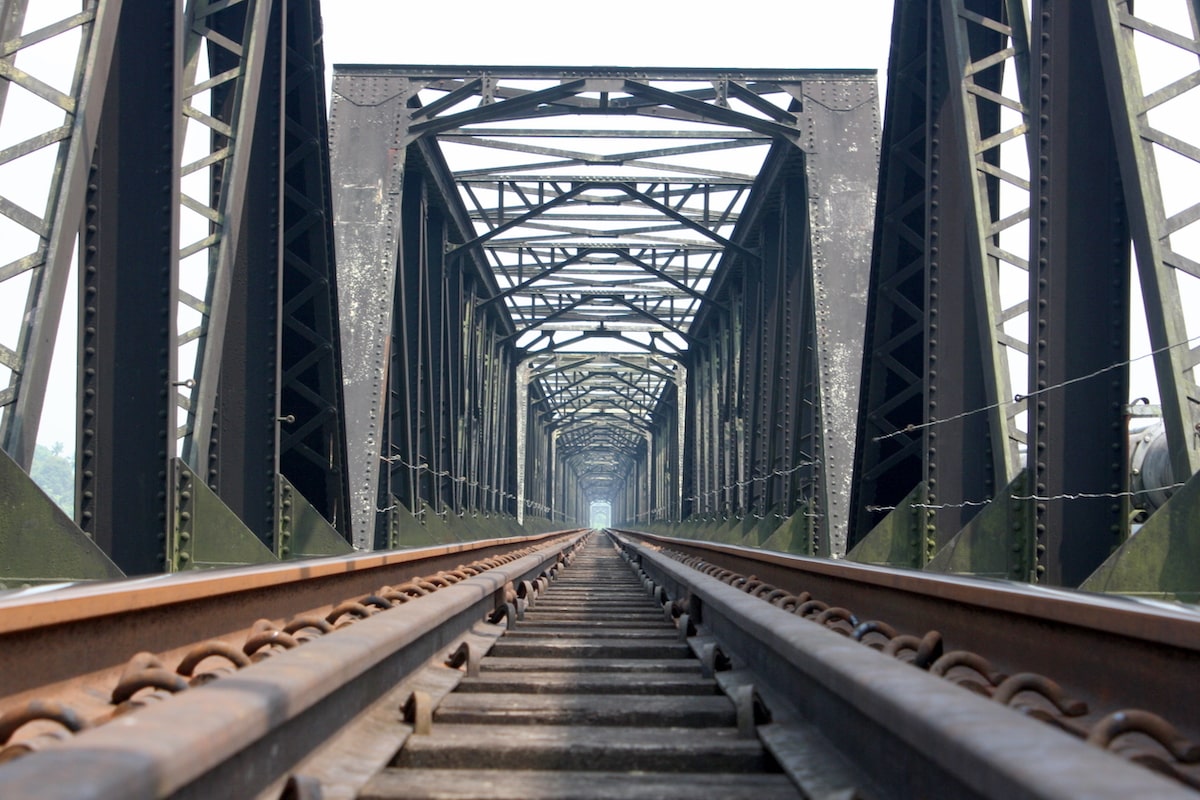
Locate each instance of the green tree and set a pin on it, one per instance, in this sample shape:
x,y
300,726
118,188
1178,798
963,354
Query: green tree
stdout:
x,y
56,475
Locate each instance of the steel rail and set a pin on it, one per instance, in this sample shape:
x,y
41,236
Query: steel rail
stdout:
x,y
236,735
1108,647
911,733
59,633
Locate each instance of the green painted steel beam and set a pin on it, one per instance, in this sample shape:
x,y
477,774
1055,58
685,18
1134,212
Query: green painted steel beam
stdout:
x,y
206,533
904,538
38,542
1161,559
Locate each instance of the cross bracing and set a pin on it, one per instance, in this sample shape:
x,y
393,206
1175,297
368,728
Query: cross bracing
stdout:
x,y
599,205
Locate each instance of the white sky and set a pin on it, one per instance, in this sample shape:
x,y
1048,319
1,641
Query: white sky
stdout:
x,y
626,33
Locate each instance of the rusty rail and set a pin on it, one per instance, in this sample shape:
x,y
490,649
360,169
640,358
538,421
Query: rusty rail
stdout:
x,y
1109,671
74,657
235,715
235,735
49,635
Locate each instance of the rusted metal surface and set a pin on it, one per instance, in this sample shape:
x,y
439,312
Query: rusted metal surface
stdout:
x,y
238,732
89,698
1150,739
689,676
53,635
1110,652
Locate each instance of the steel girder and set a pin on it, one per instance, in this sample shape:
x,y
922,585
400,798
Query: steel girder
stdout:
x,y
126,422
430,386
775,375
193,171
921,357
594,248
993,433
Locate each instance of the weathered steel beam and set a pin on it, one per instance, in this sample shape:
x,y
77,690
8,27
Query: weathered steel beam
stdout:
x,y
127,318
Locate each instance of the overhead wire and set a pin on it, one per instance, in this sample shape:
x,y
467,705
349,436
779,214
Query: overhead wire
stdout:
x,y
1020,398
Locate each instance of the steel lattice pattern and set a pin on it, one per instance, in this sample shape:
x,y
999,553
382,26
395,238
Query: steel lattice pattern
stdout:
x,y
603,219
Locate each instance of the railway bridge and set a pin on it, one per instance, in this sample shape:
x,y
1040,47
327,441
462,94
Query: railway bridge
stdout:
x,y
717,429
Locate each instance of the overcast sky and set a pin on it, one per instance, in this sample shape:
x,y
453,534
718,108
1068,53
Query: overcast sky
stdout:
x,y
624,33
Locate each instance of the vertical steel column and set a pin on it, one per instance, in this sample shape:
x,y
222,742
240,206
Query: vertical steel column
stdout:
x,y
244,445
506,464
432,287
234,37
841,158
944,237
404,398
957,376
525,421
981,36
1079,291
794,294
367,125
759,384
890,454
683,434
126,430
312,448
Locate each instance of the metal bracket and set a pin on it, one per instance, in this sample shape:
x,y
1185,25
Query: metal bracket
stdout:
x,y
794,535
998,542
760,530
302,531
1160,559
904,538
38,542
405,530
206,533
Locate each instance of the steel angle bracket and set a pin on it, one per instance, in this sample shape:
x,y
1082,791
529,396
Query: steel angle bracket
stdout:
x,y
763,527
797,534
205,532
437,527
38,542
465,529
737,529
904,538
302,531
998,542
406,530
1160,559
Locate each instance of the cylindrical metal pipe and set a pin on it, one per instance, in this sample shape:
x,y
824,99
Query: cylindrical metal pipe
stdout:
x,y
1150,467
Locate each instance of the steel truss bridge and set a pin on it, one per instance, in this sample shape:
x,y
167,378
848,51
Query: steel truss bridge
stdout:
x,y
728,310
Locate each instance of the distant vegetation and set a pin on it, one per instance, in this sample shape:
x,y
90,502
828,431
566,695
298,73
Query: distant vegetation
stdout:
x,y
54,471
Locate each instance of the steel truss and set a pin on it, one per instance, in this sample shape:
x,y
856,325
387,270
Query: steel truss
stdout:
x,y
598,249
993,433
191,171
643,287
774,372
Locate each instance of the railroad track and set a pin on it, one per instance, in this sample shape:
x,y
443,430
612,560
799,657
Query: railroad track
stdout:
x,y
585,665
591,694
